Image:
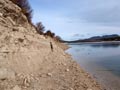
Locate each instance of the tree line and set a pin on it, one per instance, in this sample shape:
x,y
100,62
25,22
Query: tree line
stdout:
x,y
28,12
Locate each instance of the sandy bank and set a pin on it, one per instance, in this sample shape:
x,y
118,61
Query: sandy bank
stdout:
x,y
43,70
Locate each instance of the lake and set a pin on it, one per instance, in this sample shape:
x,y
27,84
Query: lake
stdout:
x,y
101,60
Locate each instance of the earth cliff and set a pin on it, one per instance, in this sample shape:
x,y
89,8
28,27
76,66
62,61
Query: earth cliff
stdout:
x,y
27,61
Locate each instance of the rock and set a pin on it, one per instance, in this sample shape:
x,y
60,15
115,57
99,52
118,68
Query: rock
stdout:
x,y
49,74
17,88
1,14
71,89
89,89
11,20
67,70
6,74
15,29
64,64
26,81
20,40
29,57
42,75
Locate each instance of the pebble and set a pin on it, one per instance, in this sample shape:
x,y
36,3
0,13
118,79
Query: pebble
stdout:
x,y
64,64
67,70
17,88
15,29
71,89
49,74
6,74
89,89
26,81
1,14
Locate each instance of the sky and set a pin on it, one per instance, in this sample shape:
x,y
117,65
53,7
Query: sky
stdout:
x,y
78,19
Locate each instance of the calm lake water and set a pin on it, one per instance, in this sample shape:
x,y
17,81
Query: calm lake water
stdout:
x,y
101,60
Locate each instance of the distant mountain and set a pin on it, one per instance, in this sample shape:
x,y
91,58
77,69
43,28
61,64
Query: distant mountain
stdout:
x,y
113,37
104,37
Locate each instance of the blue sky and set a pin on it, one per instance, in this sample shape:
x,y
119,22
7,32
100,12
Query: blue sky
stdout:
x,y
73,19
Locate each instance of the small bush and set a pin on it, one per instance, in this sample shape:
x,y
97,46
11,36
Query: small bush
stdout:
x,y
52,35
58,38
49,33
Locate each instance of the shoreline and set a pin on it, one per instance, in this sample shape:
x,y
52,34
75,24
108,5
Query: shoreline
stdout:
x,y
100,42
104,77
85,73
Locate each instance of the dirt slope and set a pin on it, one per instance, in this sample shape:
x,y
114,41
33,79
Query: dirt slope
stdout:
x,y
26,59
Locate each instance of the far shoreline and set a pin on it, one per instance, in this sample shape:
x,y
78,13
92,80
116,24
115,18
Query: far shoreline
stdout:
x,y
99,42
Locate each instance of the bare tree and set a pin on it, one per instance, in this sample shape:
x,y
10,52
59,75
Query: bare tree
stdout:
x,y
40,28
26,8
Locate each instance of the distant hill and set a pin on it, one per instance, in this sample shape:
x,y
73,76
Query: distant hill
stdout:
x,y
113,37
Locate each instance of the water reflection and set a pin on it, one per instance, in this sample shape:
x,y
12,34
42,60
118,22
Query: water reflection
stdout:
x,y
99,44
106,45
